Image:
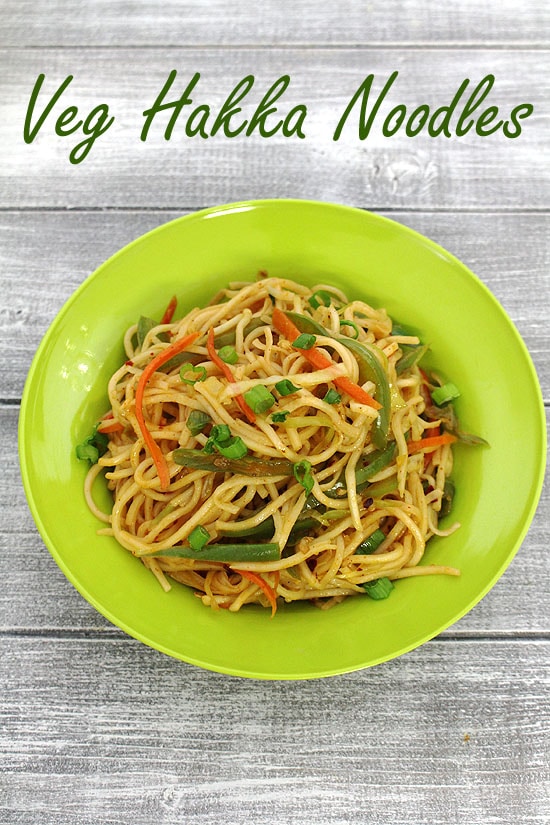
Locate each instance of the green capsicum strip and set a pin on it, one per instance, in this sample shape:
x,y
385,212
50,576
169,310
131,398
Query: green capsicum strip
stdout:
x,y
378,461
303,524
248,465
224,552
370,369
228,338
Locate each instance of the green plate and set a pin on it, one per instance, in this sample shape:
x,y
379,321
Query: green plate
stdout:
x,y
473,342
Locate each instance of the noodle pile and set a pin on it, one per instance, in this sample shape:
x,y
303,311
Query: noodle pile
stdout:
x,y
357,505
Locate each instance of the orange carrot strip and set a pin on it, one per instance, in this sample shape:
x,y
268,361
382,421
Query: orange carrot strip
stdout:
x,y
169,311
434,431
113,427
152,366
226,369
267,589
316,358
431,442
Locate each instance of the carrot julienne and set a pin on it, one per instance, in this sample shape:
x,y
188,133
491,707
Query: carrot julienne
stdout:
x,y
316,358
111,427
152,367
169,311
261,582
226,369
431,442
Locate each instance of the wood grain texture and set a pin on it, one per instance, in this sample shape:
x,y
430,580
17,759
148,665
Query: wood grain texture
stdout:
x,y
507,251
490,172
272,22
39,598
108,731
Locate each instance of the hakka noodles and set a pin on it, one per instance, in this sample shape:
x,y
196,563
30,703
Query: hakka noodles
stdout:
x,y
280,444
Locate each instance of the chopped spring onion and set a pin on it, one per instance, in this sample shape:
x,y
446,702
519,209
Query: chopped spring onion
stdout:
x,y
442,395
224,552
232,448
259,399
197,421
351,324
228,354
371,543
93,447
379,588
304,341
220,433
332,397
286,387
279,417
303,474
320,297
187,369
198,537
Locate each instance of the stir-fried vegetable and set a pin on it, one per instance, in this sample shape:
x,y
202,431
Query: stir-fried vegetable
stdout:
x,y
370,544
197,421
226,370
223,552
92,447
286,327
259,399
249,465
379,588
155,451
370,369
303,475
263,585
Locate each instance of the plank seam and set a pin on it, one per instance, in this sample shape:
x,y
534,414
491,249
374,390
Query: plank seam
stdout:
x,y
67,634
441,45
472,210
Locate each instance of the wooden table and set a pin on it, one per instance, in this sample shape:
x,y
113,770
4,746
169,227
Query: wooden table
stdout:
x,y
97,728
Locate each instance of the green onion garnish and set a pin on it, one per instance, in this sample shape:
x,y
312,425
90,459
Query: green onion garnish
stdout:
x,y
197,421
351,324
198,537
228,354
286,387
379,588
318,298
259,399
332,397
371,543
442,395
232,448
304,341
187,369
220,433
279,417
303,475
87,452
93,447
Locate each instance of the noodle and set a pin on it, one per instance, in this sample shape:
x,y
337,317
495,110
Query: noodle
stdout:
x,y
352,429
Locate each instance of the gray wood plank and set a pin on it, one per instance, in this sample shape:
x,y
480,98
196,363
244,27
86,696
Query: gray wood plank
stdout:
x,y
97,732
38,597
273,22
379,172
509,252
